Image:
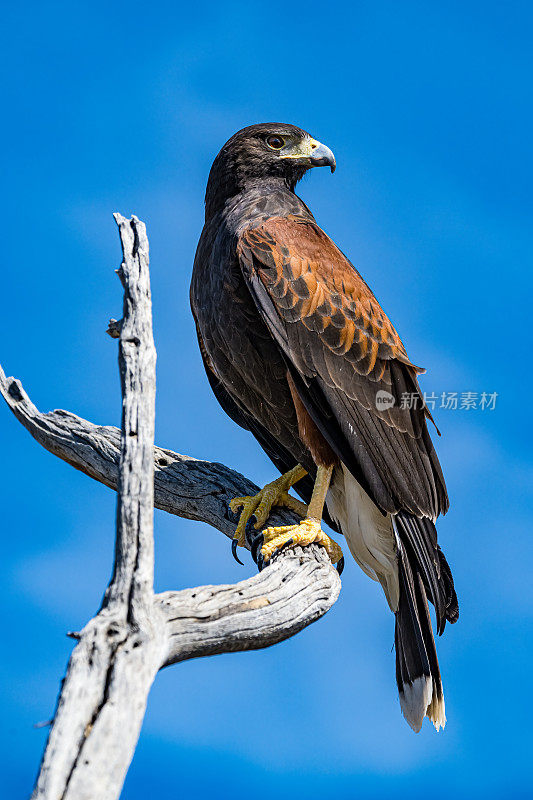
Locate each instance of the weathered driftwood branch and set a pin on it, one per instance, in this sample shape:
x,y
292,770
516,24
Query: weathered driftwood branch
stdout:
x,y
135,633
184,486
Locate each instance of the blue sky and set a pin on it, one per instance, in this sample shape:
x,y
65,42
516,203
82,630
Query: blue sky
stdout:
x,y
122,107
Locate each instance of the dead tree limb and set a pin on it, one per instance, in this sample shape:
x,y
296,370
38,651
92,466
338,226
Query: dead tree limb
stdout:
x,y
103,698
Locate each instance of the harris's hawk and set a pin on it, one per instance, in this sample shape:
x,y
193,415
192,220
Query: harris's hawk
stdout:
x,y
299,352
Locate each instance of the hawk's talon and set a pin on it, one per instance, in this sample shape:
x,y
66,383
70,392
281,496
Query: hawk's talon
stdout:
x,y
256,543
307,532
234,545
339,566
250,529
259,506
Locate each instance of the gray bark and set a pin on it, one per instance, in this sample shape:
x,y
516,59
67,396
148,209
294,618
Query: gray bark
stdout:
x,y
103,698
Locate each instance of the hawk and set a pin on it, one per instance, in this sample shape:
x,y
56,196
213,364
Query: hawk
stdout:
x,y
299,352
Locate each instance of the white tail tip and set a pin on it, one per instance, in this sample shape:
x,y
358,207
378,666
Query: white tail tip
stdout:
x,y
418,700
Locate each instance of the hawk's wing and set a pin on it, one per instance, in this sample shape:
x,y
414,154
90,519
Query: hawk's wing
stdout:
x,y
341,350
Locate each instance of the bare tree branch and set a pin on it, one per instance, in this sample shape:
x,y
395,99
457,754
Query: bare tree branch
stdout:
x,y
110,672
135,633
184,486
299,587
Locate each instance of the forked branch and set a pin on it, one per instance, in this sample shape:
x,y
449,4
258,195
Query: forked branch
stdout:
x,y
103,698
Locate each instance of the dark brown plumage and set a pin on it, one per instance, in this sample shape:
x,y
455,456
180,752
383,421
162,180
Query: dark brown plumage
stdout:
x,y
296,347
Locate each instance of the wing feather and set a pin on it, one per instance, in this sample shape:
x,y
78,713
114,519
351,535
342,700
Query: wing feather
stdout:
x,y
341,349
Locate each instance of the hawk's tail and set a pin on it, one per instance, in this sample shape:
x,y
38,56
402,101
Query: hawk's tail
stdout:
x,y
417,667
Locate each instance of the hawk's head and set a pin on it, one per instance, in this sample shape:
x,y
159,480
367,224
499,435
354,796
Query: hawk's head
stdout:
x,y
267,150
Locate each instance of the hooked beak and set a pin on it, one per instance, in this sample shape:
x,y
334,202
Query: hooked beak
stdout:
x,y
311,152
321,156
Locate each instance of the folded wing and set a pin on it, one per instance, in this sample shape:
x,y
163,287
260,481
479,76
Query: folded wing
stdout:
x,y
341,351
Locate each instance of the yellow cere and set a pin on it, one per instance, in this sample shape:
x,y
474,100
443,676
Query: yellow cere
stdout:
x,y
303,149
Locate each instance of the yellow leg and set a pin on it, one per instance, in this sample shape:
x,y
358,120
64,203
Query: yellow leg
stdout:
x,y
309,530
261,504
315,509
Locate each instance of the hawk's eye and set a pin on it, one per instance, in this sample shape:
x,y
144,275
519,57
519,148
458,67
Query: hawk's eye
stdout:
x,y
275,142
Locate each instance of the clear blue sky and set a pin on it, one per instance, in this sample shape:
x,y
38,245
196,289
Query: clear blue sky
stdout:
x,y
122,107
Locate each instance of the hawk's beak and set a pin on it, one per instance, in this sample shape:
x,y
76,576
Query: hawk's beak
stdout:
x,y
321,156
311,152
